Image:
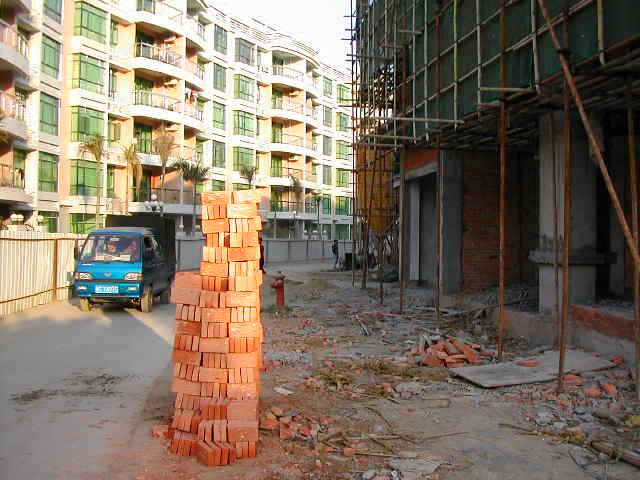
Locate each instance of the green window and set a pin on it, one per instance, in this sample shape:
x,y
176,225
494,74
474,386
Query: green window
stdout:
x,y
220,39
47,172
344,95
90,22
82,223
244,51
217,185
326,174
113,82
343,205
49,111
243,123
113,34
19,165
243,157
314,141
326,119
276,100
49,221
326,205
343,232
342,150
141,192
199,150
241,186
342,122
277,205
327,144
218,116
88,73
143,91
86,123
342,178
219,154
314,171
243,87
276,166
219,77
53,9
84,178
327,87
50,58
111,181
144,137
115,132
276,132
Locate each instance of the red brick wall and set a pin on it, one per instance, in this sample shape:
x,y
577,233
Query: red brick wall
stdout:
x,y
417,157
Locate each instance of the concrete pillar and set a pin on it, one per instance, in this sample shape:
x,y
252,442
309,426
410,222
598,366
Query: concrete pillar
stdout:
x,y
452,163
413,219
584,217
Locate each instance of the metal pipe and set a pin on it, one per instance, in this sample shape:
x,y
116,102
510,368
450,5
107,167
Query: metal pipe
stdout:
x,y
416,119
556,240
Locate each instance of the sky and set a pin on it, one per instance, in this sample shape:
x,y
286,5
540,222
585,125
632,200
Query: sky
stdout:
x,y
319,22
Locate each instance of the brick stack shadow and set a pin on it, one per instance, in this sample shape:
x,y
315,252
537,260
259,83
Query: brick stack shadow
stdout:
x,y
218,343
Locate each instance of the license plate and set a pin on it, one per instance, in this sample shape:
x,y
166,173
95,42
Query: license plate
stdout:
x,y
106,289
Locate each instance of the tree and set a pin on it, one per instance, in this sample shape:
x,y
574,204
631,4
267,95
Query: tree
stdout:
x,y
248,172
130,155
4,138
95,146
164,144
195,173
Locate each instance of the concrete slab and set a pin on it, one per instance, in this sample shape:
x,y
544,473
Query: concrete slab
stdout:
x,y
510,373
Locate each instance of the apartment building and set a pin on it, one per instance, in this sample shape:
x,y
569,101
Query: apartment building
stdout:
x,y
179,80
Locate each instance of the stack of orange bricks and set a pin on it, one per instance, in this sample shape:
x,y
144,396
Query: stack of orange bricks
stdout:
x,y
218,343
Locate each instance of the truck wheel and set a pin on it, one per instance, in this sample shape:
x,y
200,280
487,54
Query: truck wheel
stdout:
x,y
146,302
165,297
85,305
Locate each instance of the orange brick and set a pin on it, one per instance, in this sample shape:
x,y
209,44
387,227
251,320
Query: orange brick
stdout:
x,y
185,296
242,409
250,239
246,196
214,345
212,375
242,391
241,299
187,280
189,358
214,269
242,210
235,240
243,254
242,430
215,226
211,299
219,315
215,198
185,386
237,360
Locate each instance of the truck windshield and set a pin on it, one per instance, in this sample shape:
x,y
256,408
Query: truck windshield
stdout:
x,y
111,248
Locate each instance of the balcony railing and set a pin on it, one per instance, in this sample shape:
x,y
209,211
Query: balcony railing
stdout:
x,y
314,114
280,171
161,9
157,100
286,206
195,68
280,104
193,23
194,112
287,72
14,39
11,177
296,140
311,207
159,53
143,194
12,106
310,177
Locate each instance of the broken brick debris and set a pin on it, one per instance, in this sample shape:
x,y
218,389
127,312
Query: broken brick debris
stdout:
x,y
450,352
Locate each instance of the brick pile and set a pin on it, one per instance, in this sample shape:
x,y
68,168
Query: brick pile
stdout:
x,y
218,342
451,352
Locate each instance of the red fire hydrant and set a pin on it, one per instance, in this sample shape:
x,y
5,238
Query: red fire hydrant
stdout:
x,y
278,285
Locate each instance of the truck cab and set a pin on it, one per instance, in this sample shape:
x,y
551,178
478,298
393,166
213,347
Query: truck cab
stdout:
x,y
123,265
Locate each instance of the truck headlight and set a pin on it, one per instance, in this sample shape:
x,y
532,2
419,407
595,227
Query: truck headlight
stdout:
x,y
133,277
83,276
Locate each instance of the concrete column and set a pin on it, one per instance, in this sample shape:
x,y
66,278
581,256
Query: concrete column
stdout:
x,y
584,218
413,219
452,163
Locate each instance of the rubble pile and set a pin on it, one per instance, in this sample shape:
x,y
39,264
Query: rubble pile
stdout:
x,y
449,352
218,343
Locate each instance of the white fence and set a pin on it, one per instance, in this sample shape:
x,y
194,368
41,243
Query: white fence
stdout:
x,y
35,268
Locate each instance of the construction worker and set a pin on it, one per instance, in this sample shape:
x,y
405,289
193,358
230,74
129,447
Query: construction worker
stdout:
x,y
334,250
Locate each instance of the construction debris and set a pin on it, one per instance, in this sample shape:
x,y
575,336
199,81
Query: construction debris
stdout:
x,y
448,352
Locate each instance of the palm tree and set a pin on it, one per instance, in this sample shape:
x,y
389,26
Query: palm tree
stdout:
x,y
95,146
164,144
194,172
248,172
130,156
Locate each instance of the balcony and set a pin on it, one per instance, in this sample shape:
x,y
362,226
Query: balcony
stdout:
x,y
12,184
285,206
14,51
287,76
13,109
279,171
284,142
312,84
281,108
197,74
159,54
176,201
157,106
195,31
193,113
161,10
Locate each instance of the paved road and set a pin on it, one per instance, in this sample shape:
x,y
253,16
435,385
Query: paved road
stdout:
x,y
74,384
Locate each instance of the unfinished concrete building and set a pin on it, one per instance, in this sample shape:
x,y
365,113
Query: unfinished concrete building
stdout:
x,y
469,115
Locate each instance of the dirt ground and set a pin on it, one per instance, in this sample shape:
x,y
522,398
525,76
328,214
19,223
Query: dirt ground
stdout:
x,y
350,406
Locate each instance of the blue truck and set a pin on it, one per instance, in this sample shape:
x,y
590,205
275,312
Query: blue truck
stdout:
x,y
127,265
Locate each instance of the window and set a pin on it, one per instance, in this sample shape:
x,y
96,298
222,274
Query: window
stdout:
x,y
342,178
82,223
111,181
84,178
344,95
49,221
49,110
277,99
327,87
242,157
342,122
85,123
113,82
327,145
276,166
277,205
19,165
314,141
241,186
217,185
243,87
276,132
220,40
114,131
50,58
326,175
327,120
343,232
244,52
53,9
343,205
314,171
243,123
90,22
219,77
326,205
113,34
218,116
219,159
47,172
144,136
88,73
342,150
